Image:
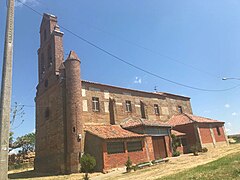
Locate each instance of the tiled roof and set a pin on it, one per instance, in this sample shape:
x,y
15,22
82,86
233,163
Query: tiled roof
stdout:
x,y
177,133
136,122
189,118
111,132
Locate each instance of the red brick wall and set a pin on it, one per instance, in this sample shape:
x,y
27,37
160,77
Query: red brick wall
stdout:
x,y
219,138
119,159
167,105
49,131
190,133
168,146
205,135
149,145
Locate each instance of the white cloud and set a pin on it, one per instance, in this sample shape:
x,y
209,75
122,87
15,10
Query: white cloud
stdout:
x,y
31,2
228,130
227,106
137,80
34,130
234,114
228,127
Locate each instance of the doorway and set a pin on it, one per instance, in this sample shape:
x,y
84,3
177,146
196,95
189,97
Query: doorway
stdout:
x,y
159,147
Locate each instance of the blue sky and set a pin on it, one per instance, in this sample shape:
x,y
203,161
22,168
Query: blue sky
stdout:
x,y
191,42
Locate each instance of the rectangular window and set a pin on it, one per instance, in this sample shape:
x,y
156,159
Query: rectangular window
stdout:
x,y
180,110
95,104
115,147
134,146
128,106
156,109
143,113
218,131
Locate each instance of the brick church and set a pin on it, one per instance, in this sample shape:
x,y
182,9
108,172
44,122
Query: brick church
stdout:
x,y
111,123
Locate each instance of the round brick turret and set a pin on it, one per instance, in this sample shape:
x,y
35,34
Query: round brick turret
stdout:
x,y
73,112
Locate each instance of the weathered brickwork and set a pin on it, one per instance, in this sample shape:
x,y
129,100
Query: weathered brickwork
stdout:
x,y
190,131
221,137
67,105
168,104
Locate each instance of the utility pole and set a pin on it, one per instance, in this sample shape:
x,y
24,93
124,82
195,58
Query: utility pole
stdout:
x,y
6,92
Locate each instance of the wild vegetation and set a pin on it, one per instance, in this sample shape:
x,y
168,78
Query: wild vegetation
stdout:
x,y
227,167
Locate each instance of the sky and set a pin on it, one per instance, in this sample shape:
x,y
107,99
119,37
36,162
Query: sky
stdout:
x,y
195,43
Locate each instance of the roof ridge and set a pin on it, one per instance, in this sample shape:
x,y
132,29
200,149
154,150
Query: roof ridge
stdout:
x,y
189,117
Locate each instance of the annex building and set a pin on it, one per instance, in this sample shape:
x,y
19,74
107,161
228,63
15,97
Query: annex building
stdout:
x,y
111,123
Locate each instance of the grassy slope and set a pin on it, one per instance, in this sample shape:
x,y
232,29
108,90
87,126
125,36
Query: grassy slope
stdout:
x,y
227,167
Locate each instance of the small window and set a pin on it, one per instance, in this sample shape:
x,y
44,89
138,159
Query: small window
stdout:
x,y
74,129
128,106
115,147
95,104
156,109
134,146
143,113
47,113
180,110
218,131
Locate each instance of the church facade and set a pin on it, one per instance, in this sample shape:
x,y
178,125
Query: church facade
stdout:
x,y
111,123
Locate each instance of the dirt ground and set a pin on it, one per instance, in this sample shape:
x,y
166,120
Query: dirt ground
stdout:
x,y
175,164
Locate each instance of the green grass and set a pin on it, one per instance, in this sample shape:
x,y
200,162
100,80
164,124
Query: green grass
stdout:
x,y
227,167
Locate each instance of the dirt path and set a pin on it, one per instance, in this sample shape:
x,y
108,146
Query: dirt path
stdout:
x,y
173,166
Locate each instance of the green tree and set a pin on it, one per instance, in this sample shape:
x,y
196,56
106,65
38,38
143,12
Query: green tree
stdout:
x,y
26,143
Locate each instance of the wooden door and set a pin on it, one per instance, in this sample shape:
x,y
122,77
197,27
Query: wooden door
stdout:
x,y
159,147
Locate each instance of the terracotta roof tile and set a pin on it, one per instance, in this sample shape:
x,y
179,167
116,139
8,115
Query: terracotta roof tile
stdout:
x,y
177,133
111,132
189,118
136,122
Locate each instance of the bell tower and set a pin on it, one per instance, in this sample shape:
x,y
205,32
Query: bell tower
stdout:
x,y
50,53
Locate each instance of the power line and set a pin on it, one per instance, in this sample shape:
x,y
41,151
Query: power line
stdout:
x,y
130,64
146,49
153,52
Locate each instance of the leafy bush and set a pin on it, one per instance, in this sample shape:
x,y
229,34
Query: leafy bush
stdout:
x,y
128,164
87,163
175,142
176,153
135,168
204,149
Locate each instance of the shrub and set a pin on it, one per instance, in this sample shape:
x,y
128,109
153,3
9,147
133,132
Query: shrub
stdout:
x,y
87,163
135,168
175,142
128,164
176,153
204,150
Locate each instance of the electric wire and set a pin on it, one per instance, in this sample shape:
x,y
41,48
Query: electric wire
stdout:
x,y
128,63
